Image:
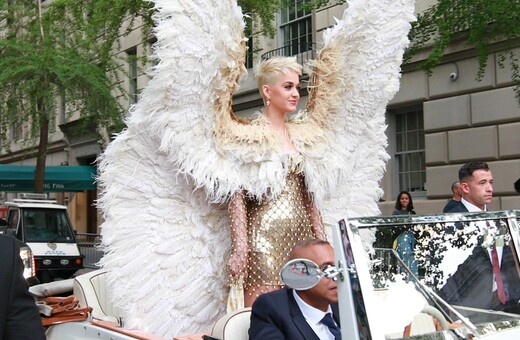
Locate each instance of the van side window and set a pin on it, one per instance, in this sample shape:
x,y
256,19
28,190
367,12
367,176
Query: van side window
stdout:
x,y
12,222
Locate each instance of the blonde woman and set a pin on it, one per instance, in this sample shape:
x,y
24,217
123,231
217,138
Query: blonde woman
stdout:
x,y
265,230
187,168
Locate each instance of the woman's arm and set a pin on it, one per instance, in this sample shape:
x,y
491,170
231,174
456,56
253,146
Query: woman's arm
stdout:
x,y
237,262
315,216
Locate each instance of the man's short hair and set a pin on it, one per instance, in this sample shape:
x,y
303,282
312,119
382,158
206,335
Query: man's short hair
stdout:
x,y
307,243
468,169
454,185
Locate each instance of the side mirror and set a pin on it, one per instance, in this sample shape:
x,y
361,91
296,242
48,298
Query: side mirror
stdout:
x,y
300,274
303,274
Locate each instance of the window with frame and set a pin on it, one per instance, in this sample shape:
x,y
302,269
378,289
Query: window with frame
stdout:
x,y
248,32
132,75
410,153
296,27
63,106
17,131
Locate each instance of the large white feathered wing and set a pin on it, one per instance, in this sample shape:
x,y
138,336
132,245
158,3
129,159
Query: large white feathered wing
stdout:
x,y
354,77
165,245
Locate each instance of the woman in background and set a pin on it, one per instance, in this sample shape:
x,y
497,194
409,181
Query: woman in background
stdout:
x,y
404,204
404,244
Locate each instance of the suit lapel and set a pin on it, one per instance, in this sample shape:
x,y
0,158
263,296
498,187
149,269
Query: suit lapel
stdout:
x,y
462,207
299,319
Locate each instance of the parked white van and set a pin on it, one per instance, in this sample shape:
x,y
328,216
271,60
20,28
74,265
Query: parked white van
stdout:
x,y
45,227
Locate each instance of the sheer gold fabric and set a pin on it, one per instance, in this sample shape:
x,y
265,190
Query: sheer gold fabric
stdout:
x,y
275,227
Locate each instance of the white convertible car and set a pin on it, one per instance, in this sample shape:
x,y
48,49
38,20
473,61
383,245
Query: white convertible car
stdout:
x,y
449,276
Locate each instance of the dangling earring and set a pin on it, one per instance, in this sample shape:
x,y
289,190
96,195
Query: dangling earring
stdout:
x,y
267,102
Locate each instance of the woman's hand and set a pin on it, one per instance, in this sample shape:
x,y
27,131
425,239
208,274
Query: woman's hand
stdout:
x,y
237,263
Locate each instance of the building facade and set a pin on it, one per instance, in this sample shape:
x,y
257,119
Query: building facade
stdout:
x,y
435,123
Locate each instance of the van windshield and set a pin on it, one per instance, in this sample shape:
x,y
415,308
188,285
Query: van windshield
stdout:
x,y
47,225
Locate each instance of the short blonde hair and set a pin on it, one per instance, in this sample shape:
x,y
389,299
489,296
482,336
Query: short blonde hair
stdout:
x,y
269,70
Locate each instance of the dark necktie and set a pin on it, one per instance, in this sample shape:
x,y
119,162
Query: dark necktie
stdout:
x,y
498,276
327,320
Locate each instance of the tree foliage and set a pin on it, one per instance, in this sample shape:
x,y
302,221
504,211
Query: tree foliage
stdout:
x,y
264,11
60,51
63,51
479,24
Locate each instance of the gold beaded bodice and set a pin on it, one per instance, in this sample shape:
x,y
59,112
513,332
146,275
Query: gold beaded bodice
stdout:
x,y
275,227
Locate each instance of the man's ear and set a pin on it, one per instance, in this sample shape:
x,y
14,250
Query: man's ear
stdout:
x,y
464,187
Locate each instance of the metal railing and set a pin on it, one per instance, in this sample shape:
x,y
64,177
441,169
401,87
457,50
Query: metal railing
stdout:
x,y
89,247
302,52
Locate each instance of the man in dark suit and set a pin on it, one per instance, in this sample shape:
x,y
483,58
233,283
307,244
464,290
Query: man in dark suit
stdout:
x,y
19,317
476,183
300,315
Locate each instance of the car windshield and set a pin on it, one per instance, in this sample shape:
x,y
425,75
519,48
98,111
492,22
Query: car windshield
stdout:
x,y
469,260
46,225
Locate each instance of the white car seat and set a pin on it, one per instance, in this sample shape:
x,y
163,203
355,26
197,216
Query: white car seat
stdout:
x,y
233,326
91,290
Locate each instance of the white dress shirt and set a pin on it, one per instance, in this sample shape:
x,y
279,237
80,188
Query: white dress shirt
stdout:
x,y
313,317
471,207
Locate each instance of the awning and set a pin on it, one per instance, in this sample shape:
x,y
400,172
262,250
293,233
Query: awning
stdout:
x,y
20,178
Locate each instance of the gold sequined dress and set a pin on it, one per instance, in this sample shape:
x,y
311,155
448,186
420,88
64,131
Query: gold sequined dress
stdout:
x,y
276,226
